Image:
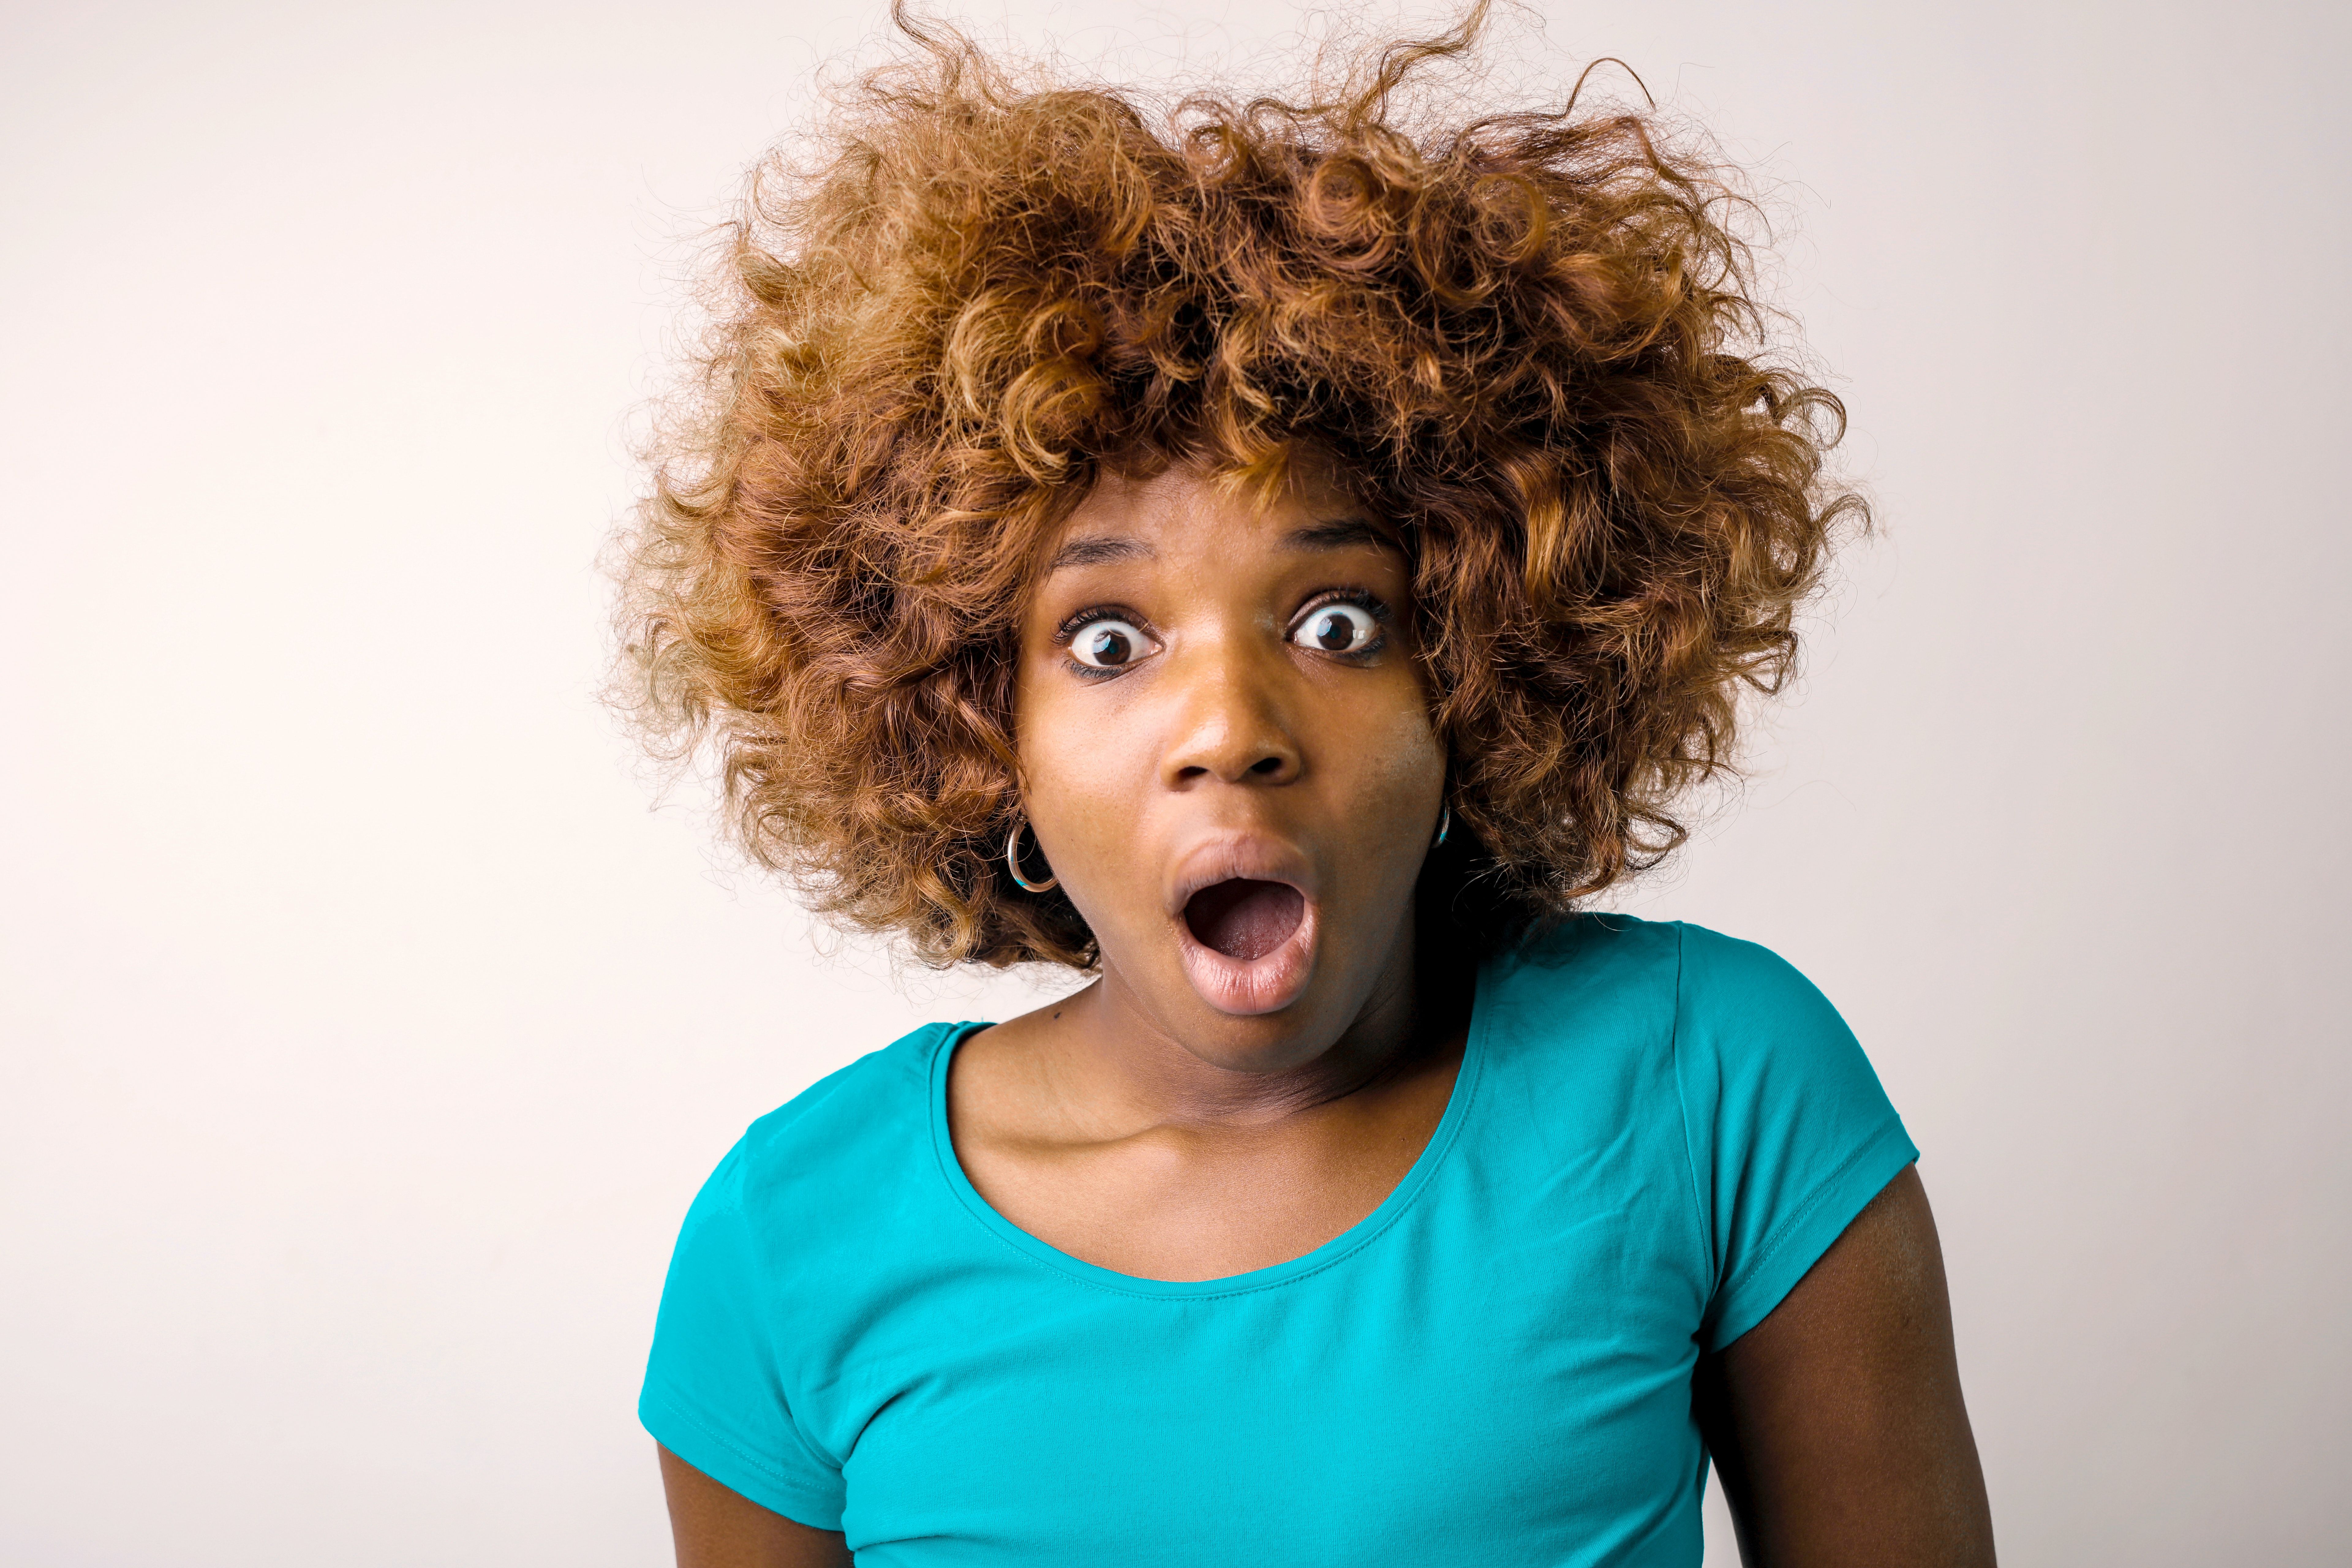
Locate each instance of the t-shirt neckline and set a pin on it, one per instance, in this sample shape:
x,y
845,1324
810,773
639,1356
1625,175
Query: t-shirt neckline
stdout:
x,y
1353,1239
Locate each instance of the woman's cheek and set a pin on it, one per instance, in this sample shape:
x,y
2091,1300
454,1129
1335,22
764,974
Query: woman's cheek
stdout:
x,y
1404,765
1079,762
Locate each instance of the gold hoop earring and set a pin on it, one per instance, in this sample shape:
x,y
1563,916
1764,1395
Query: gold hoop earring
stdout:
x,y
1445,826
1013,863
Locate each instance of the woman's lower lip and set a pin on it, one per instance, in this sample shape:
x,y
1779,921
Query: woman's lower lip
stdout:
x,y
1246,987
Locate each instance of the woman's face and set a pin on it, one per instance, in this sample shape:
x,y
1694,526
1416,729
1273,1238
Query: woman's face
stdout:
x,y
1227,758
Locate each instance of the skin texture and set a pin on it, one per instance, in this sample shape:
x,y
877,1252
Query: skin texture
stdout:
x,y
1837,1424
1172,1122
715,1527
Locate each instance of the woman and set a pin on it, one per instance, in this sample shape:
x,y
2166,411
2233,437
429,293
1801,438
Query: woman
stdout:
x,y
1278,562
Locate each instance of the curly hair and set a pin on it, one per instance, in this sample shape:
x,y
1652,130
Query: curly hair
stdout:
x,y
1532,337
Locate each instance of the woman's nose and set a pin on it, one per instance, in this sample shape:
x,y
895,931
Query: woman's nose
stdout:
x,y
1231,724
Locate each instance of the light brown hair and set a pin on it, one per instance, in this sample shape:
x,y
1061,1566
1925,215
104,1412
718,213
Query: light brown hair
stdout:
x,y
1532,336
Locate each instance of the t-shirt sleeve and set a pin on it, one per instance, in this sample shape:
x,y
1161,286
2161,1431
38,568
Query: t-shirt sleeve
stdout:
x,y
1789,1133
715,1391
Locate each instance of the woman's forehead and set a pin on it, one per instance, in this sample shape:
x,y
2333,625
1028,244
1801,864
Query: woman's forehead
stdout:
x,y
1186,500
1185,512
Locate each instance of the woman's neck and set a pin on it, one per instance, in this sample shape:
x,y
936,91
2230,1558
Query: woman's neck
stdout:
x,y
1110,1066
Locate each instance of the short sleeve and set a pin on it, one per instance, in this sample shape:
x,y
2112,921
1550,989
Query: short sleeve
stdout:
x,y
1789,1133
715,1391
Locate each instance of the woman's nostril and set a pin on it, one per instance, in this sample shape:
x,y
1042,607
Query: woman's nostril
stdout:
x,y
1266,765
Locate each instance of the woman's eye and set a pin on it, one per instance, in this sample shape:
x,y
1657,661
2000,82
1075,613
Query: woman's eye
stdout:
x,y
1107,645
1338,628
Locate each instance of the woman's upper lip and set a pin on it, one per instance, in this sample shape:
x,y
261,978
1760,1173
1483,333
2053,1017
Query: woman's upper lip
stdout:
x,y
1221,857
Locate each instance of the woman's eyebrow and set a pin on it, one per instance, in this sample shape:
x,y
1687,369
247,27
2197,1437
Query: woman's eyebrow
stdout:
x,y
1335,533
1094,549
1340,533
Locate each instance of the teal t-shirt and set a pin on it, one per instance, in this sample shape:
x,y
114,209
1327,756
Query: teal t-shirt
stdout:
x,y
1655,1131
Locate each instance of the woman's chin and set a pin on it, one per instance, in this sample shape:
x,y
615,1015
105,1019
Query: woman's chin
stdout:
x,y
1250,987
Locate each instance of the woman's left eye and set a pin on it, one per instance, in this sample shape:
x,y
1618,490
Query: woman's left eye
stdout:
x,y
1338,628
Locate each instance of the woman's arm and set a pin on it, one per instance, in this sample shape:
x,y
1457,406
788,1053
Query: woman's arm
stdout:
x,y
716,1527
1836,1423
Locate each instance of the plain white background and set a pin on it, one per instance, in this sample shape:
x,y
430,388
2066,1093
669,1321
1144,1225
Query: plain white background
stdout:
x,y
365,1032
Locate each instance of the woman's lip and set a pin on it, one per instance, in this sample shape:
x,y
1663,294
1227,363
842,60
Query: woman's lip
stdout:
x,y
1274,980
1246,987
1226,855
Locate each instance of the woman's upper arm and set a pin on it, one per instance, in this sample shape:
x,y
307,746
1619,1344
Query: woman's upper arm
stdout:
x,y
1837,1424
716,1527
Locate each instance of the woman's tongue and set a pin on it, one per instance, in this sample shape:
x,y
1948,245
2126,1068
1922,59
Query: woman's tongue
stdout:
x,y
1244,919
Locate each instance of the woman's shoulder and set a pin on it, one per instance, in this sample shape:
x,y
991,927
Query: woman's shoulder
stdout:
x,y
1739,1030
840,1133
1723,1061
1664,990
1588,974
1696,974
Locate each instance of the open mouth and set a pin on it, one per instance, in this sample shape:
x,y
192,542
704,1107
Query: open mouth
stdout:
x,y
1244,918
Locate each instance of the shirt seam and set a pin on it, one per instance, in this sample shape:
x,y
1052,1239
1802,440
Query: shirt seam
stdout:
x,y
1704,1232
670,1398
1820,1194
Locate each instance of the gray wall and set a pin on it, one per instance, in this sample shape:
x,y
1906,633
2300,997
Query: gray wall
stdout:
x,y
366,1034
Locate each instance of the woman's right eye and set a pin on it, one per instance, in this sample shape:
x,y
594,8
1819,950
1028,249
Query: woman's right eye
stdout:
x,y
1109,643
